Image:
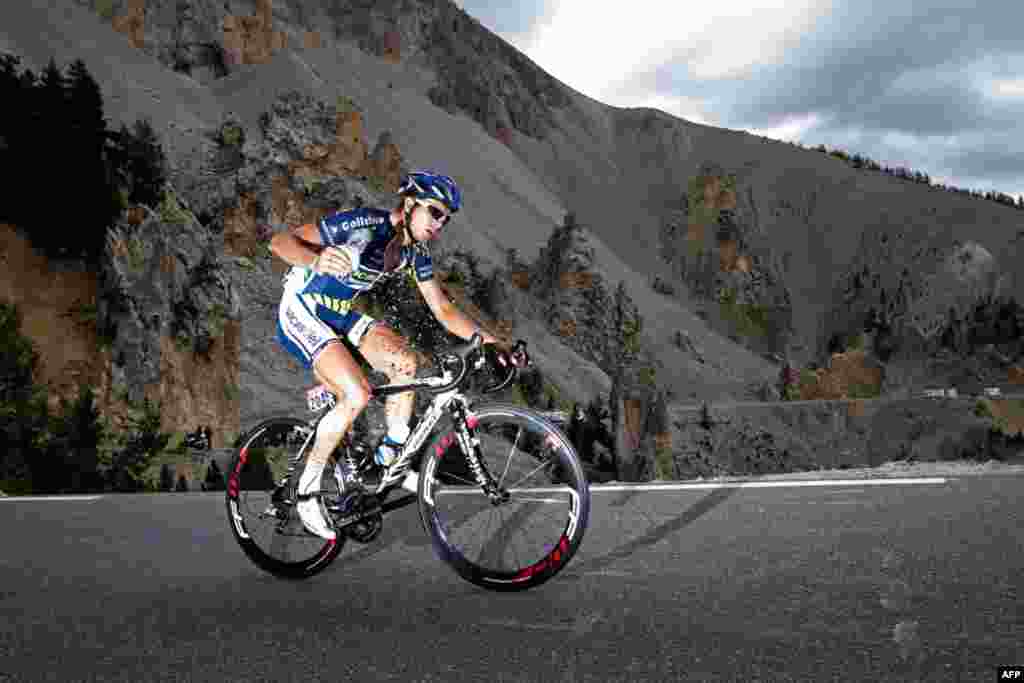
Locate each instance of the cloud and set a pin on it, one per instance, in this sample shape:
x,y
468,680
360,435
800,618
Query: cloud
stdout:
x,y
932,85
504,17
595,48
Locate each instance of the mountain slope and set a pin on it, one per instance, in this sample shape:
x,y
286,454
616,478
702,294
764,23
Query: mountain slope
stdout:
x,y
455,95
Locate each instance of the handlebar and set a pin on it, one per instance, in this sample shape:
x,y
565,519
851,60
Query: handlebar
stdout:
x,y
457,354
461,353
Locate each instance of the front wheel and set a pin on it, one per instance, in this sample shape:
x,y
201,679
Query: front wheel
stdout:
x,y
530,524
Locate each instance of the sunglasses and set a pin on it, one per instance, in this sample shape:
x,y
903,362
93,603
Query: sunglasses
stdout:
x,y
439,215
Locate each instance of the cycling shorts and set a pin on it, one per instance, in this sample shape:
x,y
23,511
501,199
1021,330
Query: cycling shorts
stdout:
x,y
305,335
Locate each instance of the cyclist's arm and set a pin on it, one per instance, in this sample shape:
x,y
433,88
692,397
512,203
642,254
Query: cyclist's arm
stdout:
x,y
449,315
299,246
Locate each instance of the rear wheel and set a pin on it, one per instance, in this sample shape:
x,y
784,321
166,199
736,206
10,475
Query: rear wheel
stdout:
x,y
262,514
527,528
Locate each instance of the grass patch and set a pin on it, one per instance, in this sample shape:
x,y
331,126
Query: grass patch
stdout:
x,y
218,316
700,213
751,320
171,211
553,397
648,376
983,408
231,135
1007,415
105,8
664,466
136,255
346,105
311,186
857,390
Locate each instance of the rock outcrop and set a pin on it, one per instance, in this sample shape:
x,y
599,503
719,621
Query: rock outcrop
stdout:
x,y
174,317
478,72
719,255
159,321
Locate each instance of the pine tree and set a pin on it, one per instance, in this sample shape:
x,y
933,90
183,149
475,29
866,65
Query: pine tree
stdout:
x,y
23,409
214,477
52,150
11,136
144,442
92,186
74,446
166,478
143,162
85,108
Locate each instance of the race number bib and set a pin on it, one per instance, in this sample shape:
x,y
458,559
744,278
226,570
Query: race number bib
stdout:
x,y
319,397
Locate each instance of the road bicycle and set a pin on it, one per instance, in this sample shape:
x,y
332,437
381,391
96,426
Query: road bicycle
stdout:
x,y
476,469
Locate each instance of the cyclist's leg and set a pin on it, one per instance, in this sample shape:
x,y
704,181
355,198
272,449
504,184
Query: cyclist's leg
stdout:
x,y
317,346
337,369
386,351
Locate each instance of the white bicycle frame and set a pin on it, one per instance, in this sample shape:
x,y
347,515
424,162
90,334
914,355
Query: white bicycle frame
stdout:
x,y
320,397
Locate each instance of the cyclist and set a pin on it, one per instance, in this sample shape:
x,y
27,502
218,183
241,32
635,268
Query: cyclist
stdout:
x,y
332,263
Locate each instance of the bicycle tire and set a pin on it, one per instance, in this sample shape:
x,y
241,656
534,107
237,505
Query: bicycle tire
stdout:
x,y
299,569
568,470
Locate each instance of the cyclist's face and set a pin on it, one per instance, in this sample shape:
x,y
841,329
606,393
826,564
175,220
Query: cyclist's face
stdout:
x,y
428,221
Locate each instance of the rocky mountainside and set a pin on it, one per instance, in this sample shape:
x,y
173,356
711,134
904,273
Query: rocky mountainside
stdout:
x,y
733,250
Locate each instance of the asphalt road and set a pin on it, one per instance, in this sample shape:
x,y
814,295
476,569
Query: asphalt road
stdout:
x,y
856,582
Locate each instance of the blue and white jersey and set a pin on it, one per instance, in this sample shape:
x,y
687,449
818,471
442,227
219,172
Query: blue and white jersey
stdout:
x,y
368,231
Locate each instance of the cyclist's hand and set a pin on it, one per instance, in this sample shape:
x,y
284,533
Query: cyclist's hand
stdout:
x,y
514,357
336,261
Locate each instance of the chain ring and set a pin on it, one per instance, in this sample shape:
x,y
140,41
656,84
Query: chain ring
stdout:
x,y
366,529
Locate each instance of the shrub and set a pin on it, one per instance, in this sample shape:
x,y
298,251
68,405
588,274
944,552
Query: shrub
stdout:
x,y
105,8
143,443
345,105
170,210
217,316
983,409
664,463
24,415
858,390
231,135
214,480
136,255
166,478
140,162
751,320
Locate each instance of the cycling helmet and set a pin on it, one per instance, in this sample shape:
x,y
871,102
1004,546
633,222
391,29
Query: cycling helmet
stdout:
x,y
430,185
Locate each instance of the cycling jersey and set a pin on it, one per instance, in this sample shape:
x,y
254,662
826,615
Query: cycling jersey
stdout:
x,y
316,308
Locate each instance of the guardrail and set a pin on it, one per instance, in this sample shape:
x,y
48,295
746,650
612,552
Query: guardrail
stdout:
x,y
987,392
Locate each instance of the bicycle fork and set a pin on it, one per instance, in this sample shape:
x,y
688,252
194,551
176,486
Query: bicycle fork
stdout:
x,y
469,442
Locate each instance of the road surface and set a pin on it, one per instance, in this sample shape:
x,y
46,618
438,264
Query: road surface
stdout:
x,y
918,580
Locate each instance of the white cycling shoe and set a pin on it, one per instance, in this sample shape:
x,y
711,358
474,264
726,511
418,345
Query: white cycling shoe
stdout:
x,y
311,512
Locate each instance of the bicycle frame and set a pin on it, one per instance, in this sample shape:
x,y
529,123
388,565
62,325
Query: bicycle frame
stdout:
x,y
451,400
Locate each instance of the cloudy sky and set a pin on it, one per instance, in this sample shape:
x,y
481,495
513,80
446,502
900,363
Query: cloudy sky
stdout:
x,y
935,86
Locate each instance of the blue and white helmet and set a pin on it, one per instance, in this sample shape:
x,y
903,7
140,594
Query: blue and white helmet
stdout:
x,y
430,185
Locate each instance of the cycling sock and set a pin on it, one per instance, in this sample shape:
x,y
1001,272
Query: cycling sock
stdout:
x,y
398,433
310,479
